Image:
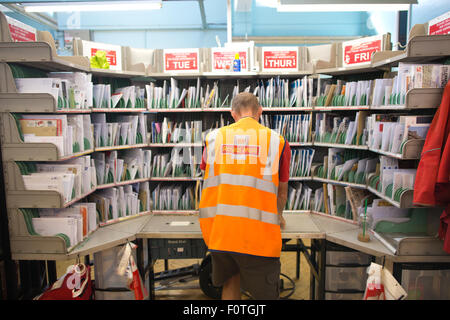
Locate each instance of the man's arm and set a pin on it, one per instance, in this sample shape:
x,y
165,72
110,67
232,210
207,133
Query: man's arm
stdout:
x,y
281,201
285,161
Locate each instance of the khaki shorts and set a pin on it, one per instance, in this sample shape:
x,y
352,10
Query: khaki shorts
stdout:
x,y
259,275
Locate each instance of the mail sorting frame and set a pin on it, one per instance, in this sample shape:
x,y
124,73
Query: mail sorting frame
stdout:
x,y
158,227
352,71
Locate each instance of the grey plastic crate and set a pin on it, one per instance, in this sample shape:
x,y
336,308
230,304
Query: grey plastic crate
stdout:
x,y
177,248
350,278
426,284
342,258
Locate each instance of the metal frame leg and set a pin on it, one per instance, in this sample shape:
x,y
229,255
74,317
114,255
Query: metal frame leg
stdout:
x,y
151,272
51,271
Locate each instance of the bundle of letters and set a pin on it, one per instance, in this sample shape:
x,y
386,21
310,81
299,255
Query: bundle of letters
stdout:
x,y
170,96
277,92
355,93
129,165
71,224
341,130
173,197
389,132
69,133
348,165
71,90
122,201
390,180
123,130
299,196
72,178
181,162
176,132
125,97
293,127
301,160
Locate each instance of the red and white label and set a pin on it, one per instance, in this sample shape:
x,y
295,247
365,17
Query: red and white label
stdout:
x,y
181,60
113,52
360,51
440,25
111,56
280,59
19,31
222,60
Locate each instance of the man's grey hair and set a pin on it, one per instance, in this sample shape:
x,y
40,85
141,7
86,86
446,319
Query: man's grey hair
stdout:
x,y
245,101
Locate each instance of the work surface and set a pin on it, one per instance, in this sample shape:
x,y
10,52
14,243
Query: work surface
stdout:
x,y
298,226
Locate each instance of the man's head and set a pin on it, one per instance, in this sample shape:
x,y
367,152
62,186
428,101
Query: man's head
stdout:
x,y
245,104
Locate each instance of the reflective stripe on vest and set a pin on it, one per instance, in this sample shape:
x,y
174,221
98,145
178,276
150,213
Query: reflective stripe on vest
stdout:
x,y
240,180
239,211
272,156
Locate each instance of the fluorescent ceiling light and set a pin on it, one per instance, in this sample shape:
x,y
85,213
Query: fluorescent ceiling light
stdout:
x,y
94,6
342,5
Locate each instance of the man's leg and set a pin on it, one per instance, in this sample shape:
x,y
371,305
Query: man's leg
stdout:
x,y
231,289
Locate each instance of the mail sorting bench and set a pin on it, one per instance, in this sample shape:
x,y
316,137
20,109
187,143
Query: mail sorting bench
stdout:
x,y
179,230
319,228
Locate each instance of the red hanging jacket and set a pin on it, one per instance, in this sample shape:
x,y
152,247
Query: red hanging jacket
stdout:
x,y
432,185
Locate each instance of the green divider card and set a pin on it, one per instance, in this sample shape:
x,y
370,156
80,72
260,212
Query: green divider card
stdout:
x,y
87,144
102,142
332,177
398,194
340,212
65,238
139,139
110,177
378,185
127,175
388,191
345,176
60,103
17,117
22,168
27,216
121,103
351,176
71,99
417,223
73,193
110,215
141,207
76,147
128,106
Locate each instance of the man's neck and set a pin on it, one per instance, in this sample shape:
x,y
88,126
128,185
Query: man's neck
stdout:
x,y
247,116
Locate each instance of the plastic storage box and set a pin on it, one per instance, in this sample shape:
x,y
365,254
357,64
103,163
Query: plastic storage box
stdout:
x,y
426,284
350,258
337,278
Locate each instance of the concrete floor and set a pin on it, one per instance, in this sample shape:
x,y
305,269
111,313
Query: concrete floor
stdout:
x,y
288,267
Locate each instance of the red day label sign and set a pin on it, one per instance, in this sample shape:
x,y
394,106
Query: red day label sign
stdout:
x,y
110,55
441,27
225,58
280,59
361,53
19,34
181,61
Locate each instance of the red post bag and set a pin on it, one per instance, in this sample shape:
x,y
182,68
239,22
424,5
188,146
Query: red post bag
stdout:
x,y
76,284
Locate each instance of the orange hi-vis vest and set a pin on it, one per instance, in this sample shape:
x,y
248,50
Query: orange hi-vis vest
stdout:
x,y
238,206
